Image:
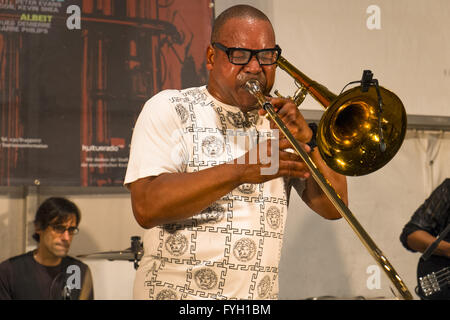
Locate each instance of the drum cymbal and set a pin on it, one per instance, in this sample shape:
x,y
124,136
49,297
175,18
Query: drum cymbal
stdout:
x,y
127,255
134,253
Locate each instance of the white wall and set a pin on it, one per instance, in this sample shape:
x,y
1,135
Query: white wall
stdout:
x,y
330,42
410,54
12,221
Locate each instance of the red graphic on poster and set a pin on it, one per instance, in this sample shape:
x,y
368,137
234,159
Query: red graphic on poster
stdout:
x,y
75,74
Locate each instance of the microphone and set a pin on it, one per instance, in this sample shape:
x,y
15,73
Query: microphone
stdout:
x,y
366,80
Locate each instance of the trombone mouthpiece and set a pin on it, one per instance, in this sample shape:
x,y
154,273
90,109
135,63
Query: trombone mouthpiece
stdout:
x,y
253,86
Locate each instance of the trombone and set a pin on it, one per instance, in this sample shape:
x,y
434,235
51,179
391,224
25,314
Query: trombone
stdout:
x,y
360,131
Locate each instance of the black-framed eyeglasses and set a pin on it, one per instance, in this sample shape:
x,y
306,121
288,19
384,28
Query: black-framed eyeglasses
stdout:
x,y
242,56
60,229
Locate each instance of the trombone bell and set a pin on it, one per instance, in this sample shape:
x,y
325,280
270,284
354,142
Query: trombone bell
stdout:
x,y
348,136
356,135
353,127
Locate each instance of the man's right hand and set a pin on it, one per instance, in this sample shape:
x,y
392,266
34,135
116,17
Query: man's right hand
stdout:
x,y
269,160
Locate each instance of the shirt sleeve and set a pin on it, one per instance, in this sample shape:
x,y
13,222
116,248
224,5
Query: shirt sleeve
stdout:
x,y
87,290
5,281
157,142
432,216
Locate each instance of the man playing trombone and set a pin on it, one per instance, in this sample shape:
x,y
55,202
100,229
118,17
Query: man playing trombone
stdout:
x,y
200,184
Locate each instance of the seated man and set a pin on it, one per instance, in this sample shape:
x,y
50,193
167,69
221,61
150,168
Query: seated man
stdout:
x,y
47,273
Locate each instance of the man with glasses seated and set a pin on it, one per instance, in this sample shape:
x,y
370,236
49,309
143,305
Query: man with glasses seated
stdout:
x,y
200,183
48,273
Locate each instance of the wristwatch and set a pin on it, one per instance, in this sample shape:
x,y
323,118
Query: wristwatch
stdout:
x,y
312,143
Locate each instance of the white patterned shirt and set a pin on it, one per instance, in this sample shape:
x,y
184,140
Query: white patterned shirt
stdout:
x,y
231,250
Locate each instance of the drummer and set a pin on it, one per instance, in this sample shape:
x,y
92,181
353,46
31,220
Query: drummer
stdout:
x,y
48,273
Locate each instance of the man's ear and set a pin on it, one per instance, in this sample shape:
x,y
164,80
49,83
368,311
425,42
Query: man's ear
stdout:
x,y
37,235
210,56
37,228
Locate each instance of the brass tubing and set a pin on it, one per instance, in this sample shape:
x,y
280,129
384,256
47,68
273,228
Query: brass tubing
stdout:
x,y
253,88
318,91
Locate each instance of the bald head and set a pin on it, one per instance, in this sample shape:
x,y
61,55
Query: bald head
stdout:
x,y
236,12
239,27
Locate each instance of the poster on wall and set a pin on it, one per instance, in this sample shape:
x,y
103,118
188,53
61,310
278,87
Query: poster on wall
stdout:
x,y
74,76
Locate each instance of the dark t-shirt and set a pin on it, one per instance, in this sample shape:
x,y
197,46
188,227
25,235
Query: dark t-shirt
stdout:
x,y
23,278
